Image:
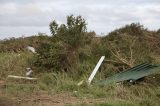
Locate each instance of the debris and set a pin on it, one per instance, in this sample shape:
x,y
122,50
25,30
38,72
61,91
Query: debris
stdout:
x,y
20,77
75,91
29,72
32,49
95,70
28,75
80,83
132,74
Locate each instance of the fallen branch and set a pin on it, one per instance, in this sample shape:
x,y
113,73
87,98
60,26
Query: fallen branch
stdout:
x,y
115,62
123,60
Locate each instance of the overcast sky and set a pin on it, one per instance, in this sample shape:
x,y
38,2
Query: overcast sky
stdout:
x,y
28,17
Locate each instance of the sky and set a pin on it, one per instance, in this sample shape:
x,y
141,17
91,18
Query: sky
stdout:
x,y
28,17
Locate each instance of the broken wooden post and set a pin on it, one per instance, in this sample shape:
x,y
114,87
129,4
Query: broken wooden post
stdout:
x,y
95,70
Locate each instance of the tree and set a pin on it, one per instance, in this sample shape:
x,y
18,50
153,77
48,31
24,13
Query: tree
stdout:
x,y
67,39
73,33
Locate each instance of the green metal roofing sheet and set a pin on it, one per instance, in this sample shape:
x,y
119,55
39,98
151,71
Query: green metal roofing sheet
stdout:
x,y
134,73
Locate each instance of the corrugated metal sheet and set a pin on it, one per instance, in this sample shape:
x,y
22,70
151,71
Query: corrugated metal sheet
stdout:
x,y
134,73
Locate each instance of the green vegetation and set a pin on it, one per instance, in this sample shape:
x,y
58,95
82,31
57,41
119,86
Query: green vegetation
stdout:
x,y
69,56
64,51
142,94
16,45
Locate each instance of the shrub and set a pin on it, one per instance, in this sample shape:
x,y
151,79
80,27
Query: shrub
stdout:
x,y
64,50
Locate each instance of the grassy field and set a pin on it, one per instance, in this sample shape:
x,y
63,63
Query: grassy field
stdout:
x,y
61,90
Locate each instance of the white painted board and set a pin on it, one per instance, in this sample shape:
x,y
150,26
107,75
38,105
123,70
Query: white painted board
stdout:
x,y
20,77
95,69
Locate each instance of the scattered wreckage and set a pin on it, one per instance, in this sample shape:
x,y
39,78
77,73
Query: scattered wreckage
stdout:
x,y
29,70
27,75
133,74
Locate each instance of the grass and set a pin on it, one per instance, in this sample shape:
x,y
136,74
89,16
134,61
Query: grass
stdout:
x,y
6,101
142,94
13,63
115,95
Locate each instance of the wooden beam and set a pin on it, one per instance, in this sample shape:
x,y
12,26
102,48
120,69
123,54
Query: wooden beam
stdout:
x,y
20,77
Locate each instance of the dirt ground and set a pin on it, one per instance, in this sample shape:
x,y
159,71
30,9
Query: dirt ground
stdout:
x,y
44,99
60,99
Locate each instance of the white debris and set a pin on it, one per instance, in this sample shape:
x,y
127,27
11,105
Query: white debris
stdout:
x,y
75,91
32,49
95,69
29,72
20,77
80,83
28,68
131,81
28,75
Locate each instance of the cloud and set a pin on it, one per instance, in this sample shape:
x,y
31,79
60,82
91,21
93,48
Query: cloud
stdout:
x,y
101,16
8,31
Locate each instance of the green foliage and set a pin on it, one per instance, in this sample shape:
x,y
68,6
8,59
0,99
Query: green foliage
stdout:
x,y
130,45
75,52
17,45
52,56
73,33
72,49
133,29
65,49
14,64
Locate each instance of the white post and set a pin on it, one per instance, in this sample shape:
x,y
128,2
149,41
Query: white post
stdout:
x,y
95,69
